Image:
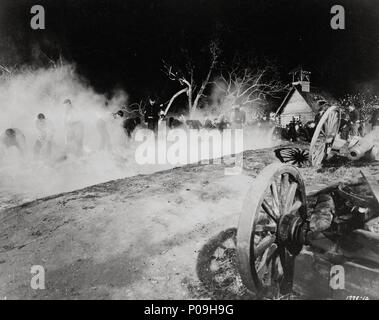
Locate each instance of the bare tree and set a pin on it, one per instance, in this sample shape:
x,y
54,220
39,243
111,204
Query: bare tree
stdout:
x,y
137,107
186,79
244,86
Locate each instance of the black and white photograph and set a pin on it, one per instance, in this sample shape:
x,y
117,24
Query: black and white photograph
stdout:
x,y
205,151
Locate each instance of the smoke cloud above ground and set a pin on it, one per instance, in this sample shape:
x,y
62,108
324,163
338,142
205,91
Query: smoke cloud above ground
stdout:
x,y
26,94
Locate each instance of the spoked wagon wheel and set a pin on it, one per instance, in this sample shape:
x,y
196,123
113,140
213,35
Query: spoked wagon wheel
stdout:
x,y
324,136
268,231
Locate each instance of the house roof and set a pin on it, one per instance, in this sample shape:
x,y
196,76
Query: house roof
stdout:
x,y
313,98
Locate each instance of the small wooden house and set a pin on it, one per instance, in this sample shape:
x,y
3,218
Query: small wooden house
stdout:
x,y
302,101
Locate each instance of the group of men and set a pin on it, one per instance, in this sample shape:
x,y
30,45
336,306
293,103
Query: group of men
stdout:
x,y
154,113
296,130
14,137
75,127
45,130
352,124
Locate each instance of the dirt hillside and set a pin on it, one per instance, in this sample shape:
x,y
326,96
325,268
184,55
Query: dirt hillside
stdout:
x,y
146,237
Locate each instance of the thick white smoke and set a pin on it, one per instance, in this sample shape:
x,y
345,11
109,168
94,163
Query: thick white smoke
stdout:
x,y
26,94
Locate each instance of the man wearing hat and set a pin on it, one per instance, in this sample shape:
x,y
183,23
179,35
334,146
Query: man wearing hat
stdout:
x,y
152,114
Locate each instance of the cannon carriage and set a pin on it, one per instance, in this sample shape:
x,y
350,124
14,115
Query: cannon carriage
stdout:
x,y
277,246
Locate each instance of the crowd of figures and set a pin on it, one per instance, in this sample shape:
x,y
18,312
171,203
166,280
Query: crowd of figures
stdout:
x,y
122,121
45,135
352,124
296,130
236,119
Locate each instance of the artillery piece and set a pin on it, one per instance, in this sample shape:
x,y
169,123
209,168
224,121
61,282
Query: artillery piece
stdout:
x,y
327,142
275,231
274,228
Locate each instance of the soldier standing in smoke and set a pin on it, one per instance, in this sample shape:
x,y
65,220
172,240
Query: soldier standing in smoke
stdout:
x,y
345,127
375,120
239,118
354,120
45,131
14,137
74,128
292,133
129,125
120,132
152,115
319,114
105,140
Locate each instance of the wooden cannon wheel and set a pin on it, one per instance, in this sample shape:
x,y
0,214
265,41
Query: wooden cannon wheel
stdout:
x,y
324,136
265,260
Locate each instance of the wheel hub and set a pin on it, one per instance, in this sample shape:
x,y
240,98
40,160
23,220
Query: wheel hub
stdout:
x,y
291,233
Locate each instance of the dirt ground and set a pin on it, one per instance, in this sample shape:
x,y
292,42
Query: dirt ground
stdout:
x,y
169,235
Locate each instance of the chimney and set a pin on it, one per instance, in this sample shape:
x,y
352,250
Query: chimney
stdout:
x,y
302,78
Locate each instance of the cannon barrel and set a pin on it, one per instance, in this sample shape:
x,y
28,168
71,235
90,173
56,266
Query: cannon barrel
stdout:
x,y
363,147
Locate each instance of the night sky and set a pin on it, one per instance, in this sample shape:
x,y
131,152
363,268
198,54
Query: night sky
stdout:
x,y
121,43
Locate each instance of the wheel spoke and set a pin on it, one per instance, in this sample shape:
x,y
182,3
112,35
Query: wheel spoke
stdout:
x,y
259,228
270,227
264,244
277,269
332,124
322,133
328,124
266,258
267,208
319,153
288,264
289,198
295,207
275,197
285,181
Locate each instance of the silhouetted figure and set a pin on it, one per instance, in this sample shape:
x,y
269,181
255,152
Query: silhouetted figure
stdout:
x,y
239,118
345,127
105,139
14,137
174,123
194,124
45,136
130,125
152,115
309,130
319,115
292,132
74,128
375,118
208,124
221,123
354,120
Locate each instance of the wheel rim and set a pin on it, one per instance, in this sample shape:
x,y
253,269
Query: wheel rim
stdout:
x,y
265,262
324,136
